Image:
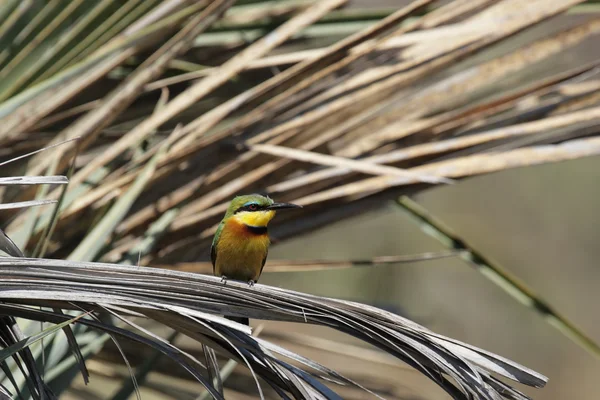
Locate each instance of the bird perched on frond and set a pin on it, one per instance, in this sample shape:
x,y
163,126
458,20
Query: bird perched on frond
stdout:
x,y
241,243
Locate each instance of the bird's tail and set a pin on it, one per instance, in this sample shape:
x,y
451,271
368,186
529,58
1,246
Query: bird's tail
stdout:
x,y
240,320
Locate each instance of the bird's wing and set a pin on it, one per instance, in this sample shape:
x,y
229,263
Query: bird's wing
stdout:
x,y
213,247
213,256
263,263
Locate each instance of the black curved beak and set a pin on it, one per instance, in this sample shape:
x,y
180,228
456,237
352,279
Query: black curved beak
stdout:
x,y
282,206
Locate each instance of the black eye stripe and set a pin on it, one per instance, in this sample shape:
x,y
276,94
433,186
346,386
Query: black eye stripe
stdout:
x,y
248,208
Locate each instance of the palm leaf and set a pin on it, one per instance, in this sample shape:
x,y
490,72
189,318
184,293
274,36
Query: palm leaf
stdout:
x,y
314,98
24,343
181,300
316,265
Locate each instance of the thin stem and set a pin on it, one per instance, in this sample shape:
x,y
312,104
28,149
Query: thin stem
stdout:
x,y
497,274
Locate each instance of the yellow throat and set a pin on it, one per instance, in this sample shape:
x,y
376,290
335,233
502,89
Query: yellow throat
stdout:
x,y
257,219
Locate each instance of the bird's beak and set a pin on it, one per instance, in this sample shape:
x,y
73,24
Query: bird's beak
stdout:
x,y
282,206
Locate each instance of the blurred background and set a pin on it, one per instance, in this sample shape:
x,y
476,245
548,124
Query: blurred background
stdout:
x,y
520,219
532,213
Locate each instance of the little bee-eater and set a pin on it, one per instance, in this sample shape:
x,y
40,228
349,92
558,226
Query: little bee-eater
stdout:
x,y
239,249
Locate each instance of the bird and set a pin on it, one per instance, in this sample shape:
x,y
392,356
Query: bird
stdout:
x,y
241,244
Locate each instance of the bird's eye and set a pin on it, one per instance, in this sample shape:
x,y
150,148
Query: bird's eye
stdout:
x,y
252,207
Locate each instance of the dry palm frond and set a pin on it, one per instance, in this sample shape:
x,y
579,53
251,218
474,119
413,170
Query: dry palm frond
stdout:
x,y
428,93
10,332
315,265
180,300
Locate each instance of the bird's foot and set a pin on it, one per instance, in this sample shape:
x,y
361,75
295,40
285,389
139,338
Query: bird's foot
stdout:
x,y
224,279
251,283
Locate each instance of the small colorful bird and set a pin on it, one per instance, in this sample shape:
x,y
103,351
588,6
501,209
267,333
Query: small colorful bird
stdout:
x,y
241,244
